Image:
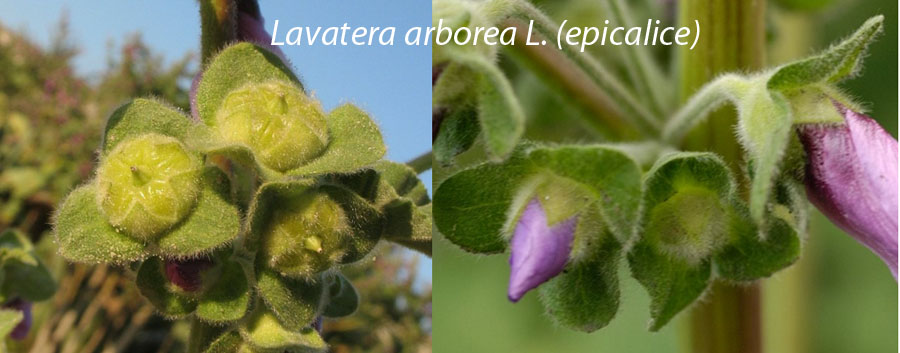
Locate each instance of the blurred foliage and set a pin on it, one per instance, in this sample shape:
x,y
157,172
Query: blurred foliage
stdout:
x,y
394,316
50,125
838,298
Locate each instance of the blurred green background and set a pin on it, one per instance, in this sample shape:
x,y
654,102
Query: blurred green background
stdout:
x,y
838,298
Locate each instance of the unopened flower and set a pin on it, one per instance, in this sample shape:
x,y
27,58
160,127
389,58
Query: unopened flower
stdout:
x,y
539,251
187,274
21,330
852,178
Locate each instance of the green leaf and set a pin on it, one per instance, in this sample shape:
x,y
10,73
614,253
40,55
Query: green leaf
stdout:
x,y
342,297
31,281
263,331
457,133
408,225
501,117
365,222
764,128
153,285
214,221
84,235
671,283
832,65
294,302
8,320
231,69
613,177
15,239
142,116
586,296
407,213
228,342
470,207
355,143
403,180
228,298
752,255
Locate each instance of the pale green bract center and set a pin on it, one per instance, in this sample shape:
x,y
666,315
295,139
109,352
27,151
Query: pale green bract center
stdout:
x,y
281,125
147,185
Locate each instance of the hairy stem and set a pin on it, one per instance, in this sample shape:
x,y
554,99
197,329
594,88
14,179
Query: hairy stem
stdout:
x,y
218,26
729,320
421,163
645,74
624,101
560,73
700,105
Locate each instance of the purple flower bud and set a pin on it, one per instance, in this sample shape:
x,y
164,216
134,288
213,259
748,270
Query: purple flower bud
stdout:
x,y
538,251
187,274
852,178
21,330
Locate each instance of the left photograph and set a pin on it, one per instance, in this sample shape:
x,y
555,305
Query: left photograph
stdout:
x,y
208,176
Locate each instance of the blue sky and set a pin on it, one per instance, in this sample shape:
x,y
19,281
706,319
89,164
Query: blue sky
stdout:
x,y
392,83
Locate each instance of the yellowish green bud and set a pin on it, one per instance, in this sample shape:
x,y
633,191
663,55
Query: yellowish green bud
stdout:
x,y
281,125
148,184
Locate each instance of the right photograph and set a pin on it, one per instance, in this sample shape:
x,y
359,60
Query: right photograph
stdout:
x,y
689,176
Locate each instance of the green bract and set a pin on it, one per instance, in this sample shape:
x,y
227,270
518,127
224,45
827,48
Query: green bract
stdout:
x,y
478,207
302,228
282,126
152,194
257,114
770,103
694,227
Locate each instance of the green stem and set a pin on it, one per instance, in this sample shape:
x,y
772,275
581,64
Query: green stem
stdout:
x,y
645,73
218,25
560,73
202,334
624,100
421,163
729,319
700,105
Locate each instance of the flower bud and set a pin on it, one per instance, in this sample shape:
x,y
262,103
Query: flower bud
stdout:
x,y
281,125
21,330
539,251
306,234
544,235
851,176
187,274
148,184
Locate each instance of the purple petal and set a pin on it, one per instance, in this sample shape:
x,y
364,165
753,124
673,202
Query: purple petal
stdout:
x,y
852,178
21,330
539,251
251,29
317,324
187,274
195,114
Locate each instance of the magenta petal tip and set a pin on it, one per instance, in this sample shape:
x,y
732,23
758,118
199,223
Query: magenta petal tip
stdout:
x,y
852,178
